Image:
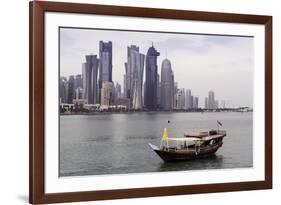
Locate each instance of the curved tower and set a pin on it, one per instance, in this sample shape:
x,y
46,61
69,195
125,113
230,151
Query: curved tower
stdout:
x,y
134,77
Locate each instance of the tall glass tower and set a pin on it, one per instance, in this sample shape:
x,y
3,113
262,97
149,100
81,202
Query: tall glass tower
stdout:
x,y
211,100
151,79
71,89
63,90
90,76
167,86
105,63
134,77
188,102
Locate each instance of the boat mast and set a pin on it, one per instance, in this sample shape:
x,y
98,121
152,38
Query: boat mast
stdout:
x,y
165,137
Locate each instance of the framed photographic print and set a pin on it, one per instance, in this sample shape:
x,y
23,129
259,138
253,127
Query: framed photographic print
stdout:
x,y
132,102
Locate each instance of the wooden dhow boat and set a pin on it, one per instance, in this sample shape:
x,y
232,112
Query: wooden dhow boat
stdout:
x,y
191,146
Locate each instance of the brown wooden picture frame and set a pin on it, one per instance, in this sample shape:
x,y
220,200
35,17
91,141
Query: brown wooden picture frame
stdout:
x,y
37,193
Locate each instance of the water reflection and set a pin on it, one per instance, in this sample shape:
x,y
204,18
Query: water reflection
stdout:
x,y
211,162
118,143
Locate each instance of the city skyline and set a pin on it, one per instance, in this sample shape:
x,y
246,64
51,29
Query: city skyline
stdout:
x,y
231,76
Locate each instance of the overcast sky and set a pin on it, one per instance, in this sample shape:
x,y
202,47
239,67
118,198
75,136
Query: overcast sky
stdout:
x,y
224,64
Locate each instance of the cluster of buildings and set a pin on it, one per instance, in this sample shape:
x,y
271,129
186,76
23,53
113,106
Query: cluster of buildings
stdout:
x,y
94,89
185,100
210,102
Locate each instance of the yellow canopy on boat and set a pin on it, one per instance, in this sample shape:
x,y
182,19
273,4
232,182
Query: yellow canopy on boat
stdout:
x,y
165,136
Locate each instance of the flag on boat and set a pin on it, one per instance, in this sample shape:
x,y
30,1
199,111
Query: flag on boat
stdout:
x,y
219,123
165,136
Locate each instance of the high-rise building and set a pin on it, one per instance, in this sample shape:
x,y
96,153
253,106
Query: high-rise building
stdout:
x,y
151,78
195,103
167,85
173,90
124,86
211,100
188,102
175,95
71,90
192,101
63,90
90,76
106,93
158,100
177,99
144,92
84,79
129,70
78,81
113,94
134,76
206,103
181,98
118,90
79,93
182,104
105,62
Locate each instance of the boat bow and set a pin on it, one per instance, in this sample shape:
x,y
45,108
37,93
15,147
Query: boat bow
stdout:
x,y
154,147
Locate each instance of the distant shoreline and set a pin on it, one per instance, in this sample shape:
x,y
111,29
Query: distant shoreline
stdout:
x,y
134,112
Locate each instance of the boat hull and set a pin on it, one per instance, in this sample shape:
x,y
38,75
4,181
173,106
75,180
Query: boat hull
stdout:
x,y
173,155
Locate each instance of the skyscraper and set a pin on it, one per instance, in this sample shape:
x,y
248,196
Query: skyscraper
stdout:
x,y
173,90
188,101
134,76
192,101
63,90
144,92
118,90
71,90
151,78
206,103
90,75
78,84
84,79
129,66
78,81
167,85
105,62
195,103
106,93
79,93
175,95
178,99
211,100
158,91
124,86
182,103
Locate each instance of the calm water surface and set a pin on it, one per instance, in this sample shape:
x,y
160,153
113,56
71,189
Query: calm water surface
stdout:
x,y
118,143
